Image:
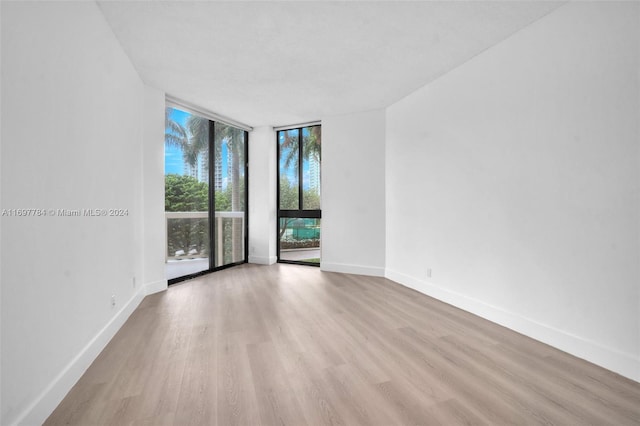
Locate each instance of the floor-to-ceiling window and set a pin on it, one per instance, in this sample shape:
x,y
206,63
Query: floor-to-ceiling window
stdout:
x,y
230,195
205,194
299,209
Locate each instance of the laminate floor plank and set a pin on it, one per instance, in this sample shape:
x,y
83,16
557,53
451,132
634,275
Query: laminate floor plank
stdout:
x,y
539,406
549,395
446,368
197,392
292,345
313,393
618,386
278,402
400,365
412,409
452,412
359,402
236,397
582,390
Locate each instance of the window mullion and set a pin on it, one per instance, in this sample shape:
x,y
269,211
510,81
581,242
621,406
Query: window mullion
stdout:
x,y
300,174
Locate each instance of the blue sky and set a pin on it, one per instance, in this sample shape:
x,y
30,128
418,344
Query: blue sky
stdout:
x,y
174,164
291,172
173,156
173,161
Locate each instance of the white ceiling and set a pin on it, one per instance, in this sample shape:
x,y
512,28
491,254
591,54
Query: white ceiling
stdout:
x,y
279,63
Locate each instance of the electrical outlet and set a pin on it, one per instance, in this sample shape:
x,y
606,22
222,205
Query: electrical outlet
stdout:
x,y
134,282
113,300
428,272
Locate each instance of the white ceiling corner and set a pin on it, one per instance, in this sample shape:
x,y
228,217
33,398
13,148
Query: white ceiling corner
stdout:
x,y
277,63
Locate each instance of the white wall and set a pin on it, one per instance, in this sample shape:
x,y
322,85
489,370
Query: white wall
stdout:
x,y
353,193
71,139
262,196
1,204
515,178
154,225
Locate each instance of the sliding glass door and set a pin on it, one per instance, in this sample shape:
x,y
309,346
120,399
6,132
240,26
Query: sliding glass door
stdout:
x,y
230,195
205,194
299,209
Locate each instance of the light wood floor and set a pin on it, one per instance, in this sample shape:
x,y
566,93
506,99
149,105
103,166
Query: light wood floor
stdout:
x,y
292,345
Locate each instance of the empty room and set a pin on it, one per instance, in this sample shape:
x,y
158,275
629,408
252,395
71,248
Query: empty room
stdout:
x,y
320,212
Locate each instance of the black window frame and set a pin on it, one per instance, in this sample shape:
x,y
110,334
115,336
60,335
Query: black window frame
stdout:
x,y
288,213
212,208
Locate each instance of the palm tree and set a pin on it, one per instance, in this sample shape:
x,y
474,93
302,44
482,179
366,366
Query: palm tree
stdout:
x,y
235,140
312,143
194,142
310,146
289,148
198,142
174,134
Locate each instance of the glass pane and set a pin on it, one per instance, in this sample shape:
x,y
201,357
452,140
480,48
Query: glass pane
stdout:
x,y
289,157
186,193
300,239
311,138
230,187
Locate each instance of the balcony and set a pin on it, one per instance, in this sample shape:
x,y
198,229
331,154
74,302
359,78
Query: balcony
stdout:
x,y
187,249
300,240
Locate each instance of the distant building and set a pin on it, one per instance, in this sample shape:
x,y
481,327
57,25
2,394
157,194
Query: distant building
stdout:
x,y
314,175
203,162
229,163
217,174
190,170
200,170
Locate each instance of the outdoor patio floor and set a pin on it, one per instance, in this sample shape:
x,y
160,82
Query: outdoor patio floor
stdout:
x,y
180,268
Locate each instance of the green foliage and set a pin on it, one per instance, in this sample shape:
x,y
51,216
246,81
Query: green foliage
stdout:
x,y
288,195
185,194
193,140
311,146
174,134
223,200
311,200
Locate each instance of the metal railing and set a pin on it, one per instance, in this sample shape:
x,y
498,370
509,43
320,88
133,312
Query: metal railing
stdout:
x,y
237,235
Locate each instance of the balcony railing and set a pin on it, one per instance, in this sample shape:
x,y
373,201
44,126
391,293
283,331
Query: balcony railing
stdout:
x,y
233,234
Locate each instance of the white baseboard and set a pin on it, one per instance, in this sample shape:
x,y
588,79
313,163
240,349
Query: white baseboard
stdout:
x,y
622,363
352,269
38,411
155,287
263,260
